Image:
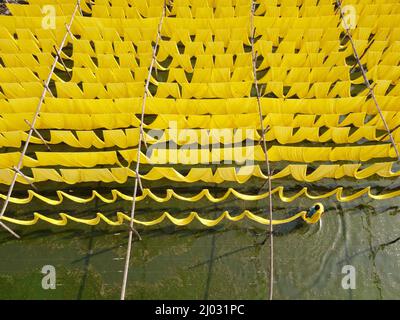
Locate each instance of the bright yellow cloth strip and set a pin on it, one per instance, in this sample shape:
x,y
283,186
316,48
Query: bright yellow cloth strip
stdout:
x,y
238,155
203,194
202,106
14,122
110,86
130,137
121,217
121,175
109,71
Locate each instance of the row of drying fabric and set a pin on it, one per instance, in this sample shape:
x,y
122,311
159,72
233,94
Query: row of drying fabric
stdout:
x,y
130,137
121,217
153,3
159,106
283,25
111,55
85,56
138,10
224,38
174,29
119,12
12,122
340,194
209,75
222,90
226,11
114,54
104,82
202,3
207,175
270,10
199,75
17,121
192,156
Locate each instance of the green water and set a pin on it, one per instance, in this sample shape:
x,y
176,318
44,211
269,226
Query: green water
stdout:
x,y
226,262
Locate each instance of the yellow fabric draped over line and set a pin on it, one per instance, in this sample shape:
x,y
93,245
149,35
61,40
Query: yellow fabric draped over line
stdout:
x,y
187,156
130,137
16,121
228,106
122,217
210,90
241,175
109,73
206,82
117,195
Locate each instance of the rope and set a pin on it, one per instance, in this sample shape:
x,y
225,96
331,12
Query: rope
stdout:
x,y
137,178
264,145
36,115
364,74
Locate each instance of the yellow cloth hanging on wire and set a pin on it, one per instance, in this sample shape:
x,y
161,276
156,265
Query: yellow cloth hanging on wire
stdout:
x,y
130,137
156,105
121,217
121,175
194,156
13,122
116,195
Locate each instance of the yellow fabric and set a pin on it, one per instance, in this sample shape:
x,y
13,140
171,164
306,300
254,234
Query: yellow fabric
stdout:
x,y
120,175
303,74
14,122
202,106
130,137
201,156
117,195
199,106
121,217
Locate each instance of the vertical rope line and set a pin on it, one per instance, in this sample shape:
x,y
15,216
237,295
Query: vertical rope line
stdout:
x,y
364,74
264,145
137,175
37,112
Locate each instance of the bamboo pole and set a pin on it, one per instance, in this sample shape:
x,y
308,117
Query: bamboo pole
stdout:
x,y
137,172
264,146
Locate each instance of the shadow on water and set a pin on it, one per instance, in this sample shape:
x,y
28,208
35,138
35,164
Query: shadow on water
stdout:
x,y
373,249
280,230
210,267
85,266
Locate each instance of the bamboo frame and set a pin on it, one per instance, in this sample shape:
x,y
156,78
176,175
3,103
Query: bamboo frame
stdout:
x,y
138,183
264,146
